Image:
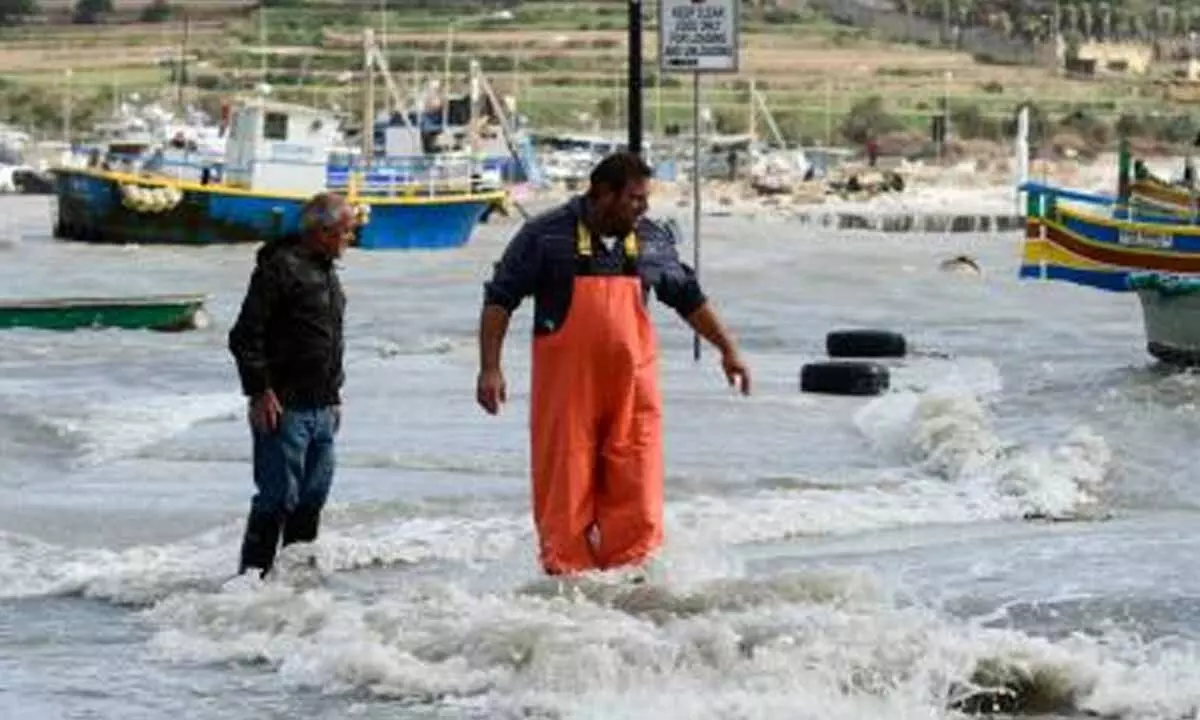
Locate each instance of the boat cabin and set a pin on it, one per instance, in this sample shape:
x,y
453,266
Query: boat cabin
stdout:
x,y
278,147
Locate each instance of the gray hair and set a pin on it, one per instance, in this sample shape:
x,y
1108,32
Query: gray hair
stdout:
x,y
324,212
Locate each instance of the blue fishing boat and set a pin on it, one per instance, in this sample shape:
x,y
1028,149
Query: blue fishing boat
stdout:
x,y
1110,243
275,159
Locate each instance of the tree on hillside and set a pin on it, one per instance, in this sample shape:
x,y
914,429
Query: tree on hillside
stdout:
x,y
157,11
88,12
867,119
12,12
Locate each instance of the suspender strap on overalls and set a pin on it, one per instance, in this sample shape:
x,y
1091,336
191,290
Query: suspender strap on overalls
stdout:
x,y
586,263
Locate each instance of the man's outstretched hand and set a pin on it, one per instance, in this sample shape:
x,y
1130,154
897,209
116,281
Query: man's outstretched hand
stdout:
x,y
736,371
705,322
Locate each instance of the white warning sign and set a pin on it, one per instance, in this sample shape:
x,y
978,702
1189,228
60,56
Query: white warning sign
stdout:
x,y
698,36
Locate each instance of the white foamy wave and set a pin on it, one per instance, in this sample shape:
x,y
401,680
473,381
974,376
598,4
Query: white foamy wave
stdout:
x,y
947,199
145,574
700,532
473,464
105,431
388,348
948,435
978,377
777,515
958,471
794,646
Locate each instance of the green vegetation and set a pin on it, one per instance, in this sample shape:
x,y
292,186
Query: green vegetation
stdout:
x,y
1124,19
89,12
42,106
562,61
157,11
14,12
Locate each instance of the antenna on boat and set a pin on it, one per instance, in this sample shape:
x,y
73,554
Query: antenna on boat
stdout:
x,y
1021,153
759,100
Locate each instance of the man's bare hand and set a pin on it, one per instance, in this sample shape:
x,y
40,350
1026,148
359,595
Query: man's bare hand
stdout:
x,y
490,391
736,371
265,411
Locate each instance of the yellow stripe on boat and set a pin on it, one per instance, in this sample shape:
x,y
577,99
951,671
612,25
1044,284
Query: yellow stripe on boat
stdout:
x,y
214,188
1155,228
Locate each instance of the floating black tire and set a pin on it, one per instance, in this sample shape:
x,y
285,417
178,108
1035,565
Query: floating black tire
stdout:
x,y
844,377
865,344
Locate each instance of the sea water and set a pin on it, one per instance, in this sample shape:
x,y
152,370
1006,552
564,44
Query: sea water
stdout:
x,y
1018,509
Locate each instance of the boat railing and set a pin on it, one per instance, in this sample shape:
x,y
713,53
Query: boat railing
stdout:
x,y
410,176
1066,194
1120,210
396,176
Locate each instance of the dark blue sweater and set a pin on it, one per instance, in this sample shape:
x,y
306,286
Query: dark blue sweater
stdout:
x,y
540,261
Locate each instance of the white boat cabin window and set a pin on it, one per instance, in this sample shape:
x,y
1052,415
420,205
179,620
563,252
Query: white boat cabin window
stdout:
x,y
275,126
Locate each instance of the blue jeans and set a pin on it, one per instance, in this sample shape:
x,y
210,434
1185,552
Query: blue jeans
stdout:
x,y
293,466
293,472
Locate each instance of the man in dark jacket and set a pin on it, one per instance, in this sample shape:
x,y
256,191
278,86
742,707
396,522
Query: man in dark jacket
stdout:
x,y
287,343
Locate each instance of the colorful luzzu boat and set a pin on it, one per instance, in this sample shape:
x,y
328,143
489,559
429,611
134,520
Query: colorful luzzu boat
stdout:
x,y
1152,195
1113,244
275,159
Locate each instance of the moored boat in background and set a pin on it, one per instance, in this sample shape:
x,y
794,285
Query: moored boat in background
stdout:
x,y
154,312
275,159
1118,244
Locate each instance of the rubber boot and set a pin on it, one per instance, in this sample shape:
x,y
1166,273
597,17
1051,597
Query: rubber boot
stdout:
x,y
260,542
302,525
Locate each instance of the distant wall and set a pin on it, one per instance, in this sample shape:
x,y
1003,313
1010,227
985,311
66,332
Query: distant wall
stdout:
x,y
1119,58
129,11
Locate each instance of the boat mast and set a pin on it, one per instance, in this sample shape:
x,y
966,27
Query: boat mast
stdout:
x,y
181,71
368,123
375,57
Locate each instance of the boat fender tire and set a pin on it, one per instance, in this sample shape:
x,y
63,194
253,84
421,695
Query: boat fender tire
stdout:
x,y
844,377
865,344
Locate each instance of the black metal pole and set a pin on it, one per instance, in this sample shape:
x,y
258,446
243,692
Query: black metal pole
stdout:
x,y
635,76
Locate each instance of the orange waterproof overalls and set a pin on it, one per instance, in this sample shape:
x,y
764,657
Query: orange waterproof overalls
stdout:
x,y
596,423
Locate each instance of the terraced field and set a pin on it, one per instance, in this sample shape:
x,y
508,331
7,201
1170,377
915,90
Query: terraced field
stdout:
x,y
559,59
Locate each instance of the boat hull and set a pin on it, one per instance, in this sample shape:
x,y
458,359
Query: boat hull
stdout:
x,y
97,207
162,314
432,224
1172,325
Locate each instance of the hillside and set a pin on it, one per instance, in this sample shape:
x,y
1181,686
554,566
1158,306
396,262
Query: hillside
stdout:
x,y
1145,18
560,60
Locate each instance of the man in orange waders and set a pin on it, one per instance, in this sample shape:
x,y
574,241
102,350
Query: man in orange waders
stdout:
x,y
596,411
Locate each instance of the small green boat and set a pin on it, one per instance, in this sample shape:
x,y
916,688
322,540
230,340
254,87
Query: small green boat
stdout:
x,y
168,313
